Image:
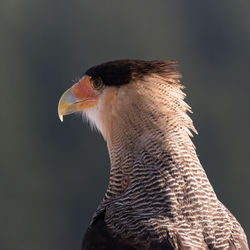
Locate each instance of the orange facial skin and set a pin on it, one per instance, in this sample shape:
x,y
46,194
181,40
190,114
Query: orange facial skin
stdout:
x,y
83,89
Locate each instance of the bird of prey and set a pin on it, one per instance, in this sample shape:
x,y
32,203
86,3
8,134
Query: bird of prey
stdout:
x,y
158,196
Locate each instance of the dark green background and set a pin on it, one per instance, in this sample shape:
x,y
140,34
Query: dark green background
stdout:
x,y
53,174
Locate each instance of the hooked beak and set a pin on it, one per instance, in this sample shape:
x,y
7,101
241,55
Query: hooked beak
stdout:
x,y
79,97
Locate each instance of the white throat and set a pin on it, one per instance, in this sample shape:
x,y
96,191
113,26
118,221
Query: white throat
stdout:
x,y
92,115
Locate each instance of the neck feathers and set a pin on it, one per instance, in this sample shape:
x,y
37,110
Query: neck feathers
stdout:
x,y
147,115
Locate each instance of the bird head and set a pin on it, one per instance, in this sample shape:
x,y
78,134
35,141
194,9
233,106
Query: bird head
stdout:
x,y
124,91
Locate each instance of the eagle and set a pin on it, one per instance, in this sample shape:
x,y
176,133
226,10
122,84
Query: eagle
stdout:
x,y
159,196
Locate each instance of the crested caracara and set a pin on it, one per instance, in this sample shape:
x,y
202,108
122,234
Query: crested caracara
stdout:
x,y
159,196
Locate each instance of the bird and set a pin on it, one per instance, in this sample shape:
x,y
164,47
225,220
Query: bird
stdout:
x,y
158,196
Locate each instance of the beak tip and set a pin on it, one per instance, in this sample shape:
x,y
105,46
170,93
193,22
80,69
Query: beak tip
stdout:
x,y
61,118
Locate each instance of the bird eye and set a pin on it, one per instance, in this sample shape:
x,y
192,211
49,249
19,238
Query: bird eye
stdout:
x,y
97,83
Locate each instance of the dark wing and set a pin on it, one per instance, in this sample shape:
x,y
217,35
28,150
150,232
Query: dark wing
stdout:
x,y
98,237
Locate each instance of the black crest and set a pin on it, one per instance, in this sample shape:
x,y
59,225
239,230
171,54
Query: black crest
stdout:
x,y
117,73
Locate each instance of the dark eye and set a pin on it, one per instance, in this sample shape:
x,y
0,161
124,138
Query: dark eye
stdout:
x,y
97,83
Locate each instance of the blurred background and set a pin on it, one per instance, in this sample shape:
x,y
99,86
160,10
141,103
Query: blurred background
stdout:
x,y
53,174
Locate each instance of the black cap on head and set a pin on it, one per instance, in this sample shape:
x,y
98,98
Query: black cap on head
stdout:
x,y
117,73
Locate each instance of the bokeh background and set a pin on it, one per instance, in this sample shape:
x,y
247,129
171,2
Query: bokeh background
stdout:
x,y
53,174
